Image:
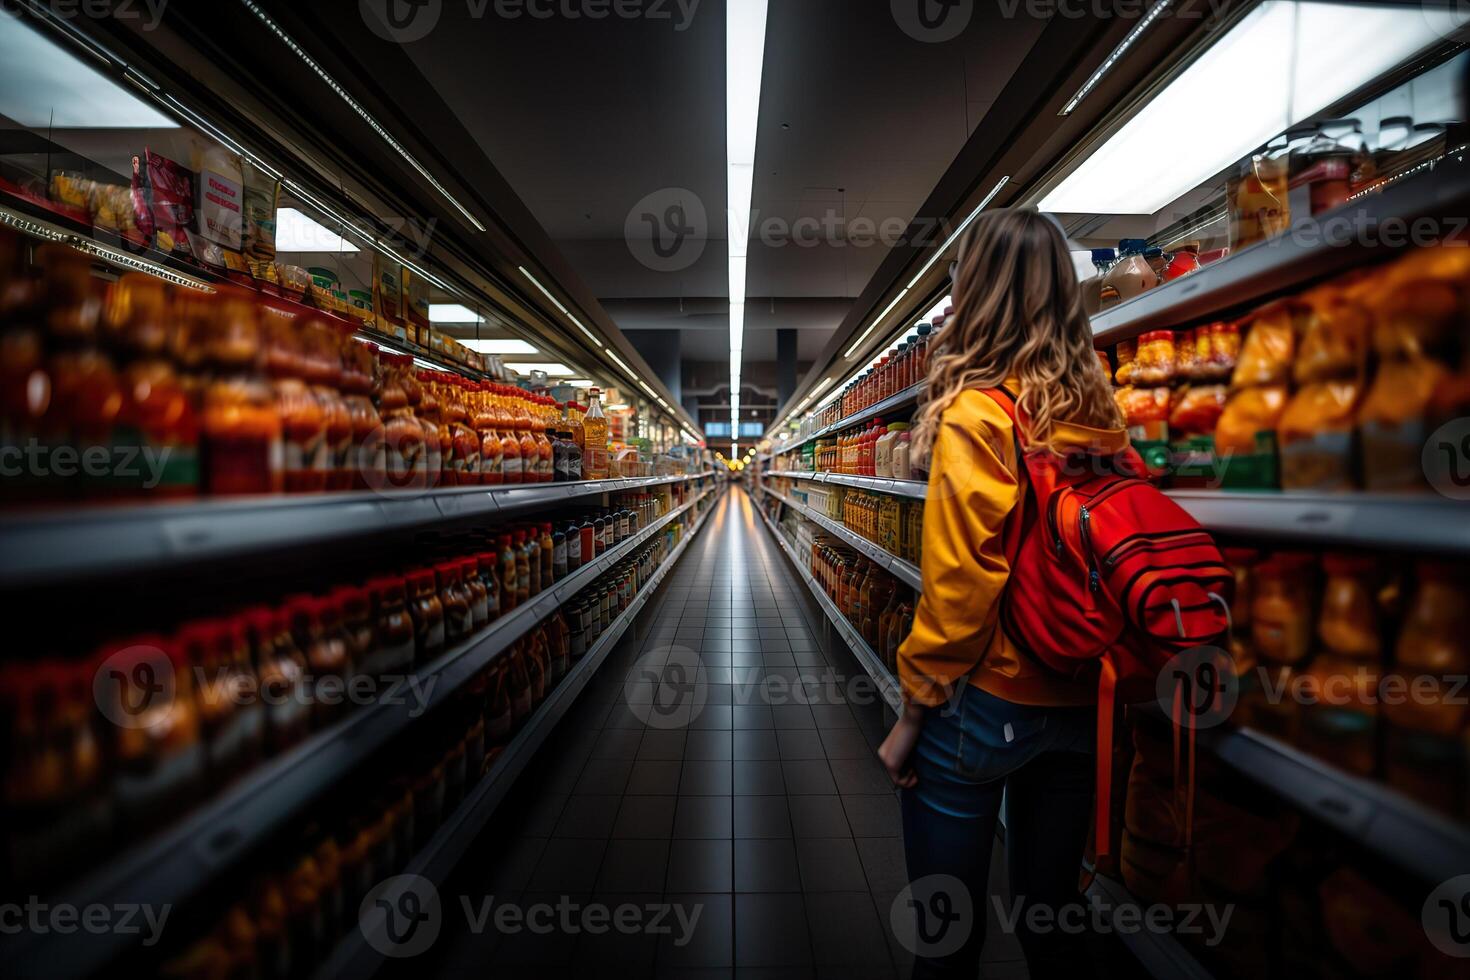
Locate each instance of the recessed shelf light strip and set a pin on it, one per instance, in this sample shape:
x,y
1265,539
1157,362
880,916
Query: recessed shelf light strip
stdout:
x,y
1116,55
361,111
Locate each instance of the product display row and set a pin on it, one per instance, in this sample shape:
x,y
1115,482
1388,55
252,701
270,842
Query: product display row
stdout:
x,y
286,921
1337,388
216,393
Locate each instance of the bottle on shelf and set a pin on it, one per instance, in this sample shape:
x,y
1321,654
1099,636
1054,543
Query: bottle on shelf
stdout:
x,y
595,455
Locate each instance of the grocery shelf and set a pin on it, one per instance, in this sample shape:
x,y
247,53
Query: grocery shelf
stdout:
x,y
178,863
887,684
916,489
1160,953
905,571
1398,829
1314,247
903,399
354,956
46,546
1404,522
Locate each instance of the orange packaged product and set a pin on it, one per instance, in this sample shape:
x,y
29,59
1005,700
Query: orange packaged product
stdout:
x,y
1198,410
1189,364
303,423
1335,341
322,358
1418,302
1224,347
1422,696
1145,410
1247,412
1269,347
158,415
367,461
1342,681
1394,424
431,413
1127,354
1282,608
404,442
1316,437
1157,361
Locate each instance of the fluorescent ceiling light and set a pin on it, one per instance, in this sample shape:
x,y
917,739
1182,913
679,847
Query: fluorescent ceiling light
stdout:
x,y
745,47
502,346
1283,62
42,86
553,369
578,383
455,313
295,232
1115,56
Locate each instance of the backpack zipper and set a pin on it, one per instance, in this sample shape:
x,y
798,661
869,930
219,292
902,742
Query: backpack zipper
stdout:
x,y
1084,527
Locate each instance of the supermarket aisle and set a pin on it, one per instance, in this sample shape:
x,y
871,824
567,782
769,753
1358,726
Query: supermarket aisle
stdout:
x,y
752,795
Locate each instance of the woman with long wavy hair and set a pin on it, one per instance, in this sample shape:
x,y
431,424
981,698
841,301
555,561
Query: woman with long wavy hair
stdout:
x,y
1015,373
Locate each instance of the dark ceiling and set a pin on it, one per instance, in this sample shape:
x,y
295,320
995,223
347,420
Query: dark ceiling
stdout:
x,y
588,118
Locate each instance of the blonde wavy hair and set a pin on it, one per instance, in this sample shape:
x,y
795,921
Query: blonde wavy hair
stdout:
x,y
1018,313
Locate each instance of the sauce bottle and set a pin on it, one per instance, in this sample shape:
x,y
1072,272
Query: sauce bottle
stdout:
x,y
327,666
393,629
241,445
469,573
546,453
369,461
548,556
281,669
523,568
427,611
303,424
509,586
354,611
559,565
512,465
459,617
489,564
518,686
322,371
573,534
483,420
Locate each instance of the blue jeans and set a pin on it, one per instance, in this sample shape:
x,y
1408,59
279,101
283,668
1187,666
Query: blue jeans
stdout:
x,y
968,753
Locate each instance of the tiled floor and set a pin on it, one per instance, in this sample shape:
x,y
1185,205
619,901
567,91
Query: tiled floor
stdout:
x,y
717,762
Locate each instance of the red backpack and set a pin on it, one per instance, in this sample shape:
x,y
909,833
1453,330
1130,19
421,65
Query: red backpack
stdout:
x,y
1109,579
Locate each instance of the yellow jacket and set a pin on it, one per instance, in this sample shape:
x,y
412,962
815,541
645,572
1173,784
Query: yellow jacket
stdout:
x,y
973,488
